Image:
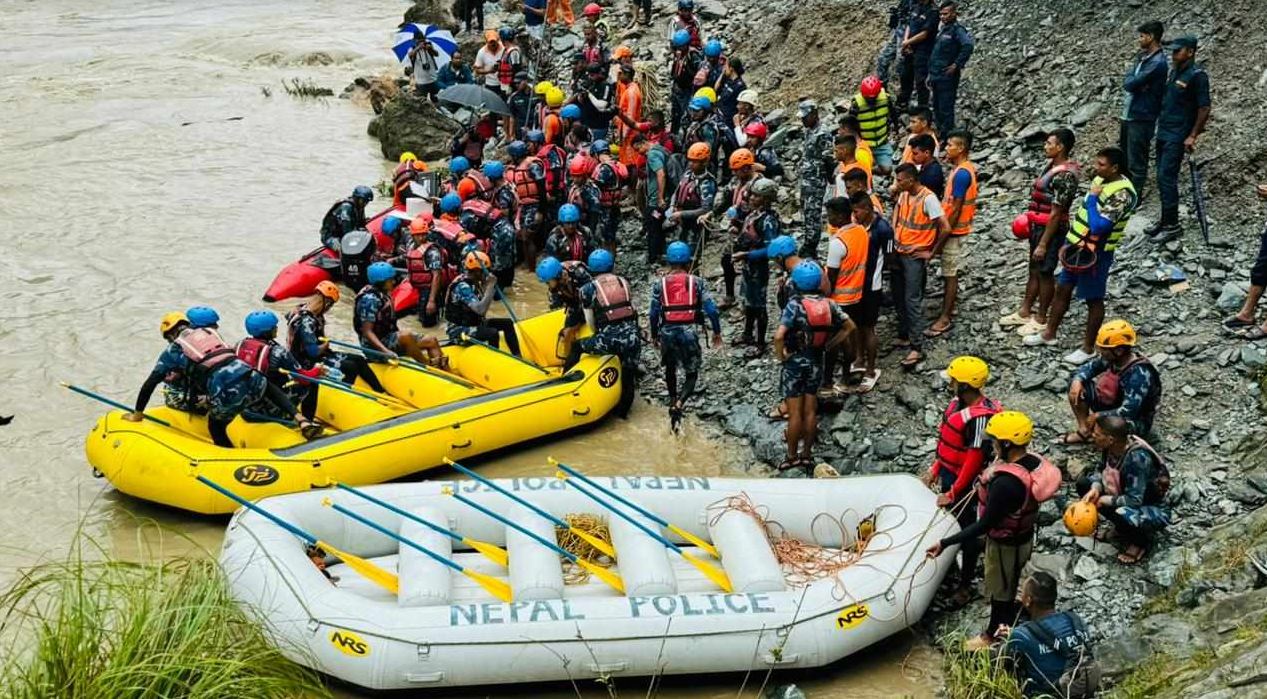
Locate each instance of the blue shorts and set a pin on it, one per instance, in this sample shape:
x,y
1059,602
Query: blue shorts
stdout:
x,y
1091,284
883,155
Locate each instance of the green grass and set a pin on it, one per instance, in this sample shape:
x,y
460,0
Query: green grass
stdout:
x,y
102,628
975,674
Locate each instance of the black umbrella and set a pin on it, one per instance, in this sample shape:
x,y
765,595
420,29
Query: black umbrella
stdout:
x,y
476,97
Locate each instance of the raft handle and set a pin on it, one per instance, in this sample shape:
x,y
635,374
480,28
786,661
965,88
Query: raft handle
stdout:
x,y
424,677
424,651
780,658
605,668
581,413
463,445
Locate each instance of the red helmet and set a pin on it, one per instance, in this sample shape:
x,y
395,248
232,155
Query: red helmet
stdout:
x,y
871,87
580,165
1020,226
757,129
592,10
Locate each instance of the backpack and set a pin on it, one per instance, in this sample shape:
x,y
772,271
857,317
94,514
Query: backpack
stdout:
x,y
1081,678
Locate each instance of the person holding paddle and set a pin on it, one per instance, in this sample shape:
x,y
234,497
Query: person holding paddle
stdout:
x,y
466,306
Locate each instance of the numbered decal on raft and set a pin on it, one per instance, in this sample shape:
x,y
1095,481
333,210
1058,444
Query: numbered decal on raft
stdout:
x,y
608,377
256,475
349,643
850,617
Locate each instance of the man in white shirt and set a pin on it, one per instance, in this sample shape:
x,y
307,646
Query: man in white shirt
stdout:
x,y
486,60
422,61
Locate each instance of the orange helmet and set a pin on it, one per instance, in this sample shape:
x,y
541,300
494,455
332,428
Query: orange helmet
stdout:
x,y
741,158
466,188
581,165
698,151
476,259
622,52
329,290
421,225
418,165
1081,518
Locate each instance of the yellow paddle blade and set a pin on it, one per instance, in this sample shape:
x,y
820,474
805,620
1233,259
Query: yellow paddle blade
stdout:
x,y
717,575
603,574
595,542
492,552
497,588
712,551
383,578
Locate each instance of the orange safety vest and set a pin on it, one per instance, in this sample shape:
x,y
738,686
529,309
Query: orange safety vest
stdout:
x,y
852,277
842,170
968,210
915,230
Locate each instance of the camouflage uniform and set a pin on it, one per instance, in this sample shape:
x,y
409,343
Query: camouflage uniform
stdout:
x,y
699,193
679,342
1141,505
817,161
502,247
567,295
606,178
585,196
281,358
1139,391
232,388
802,373
180,390
756,271
560,246
620,338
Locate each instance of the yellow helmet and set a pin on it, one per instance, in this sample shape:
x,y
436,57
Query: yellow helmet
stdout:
x,y
707,93
1011,426
554,96
171,320
968,370
407,156
1081,518
1116,333
614,148
542,87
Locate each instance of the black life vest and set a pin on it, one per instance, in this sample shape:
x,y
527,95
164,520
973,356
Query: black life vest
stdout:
x,y
384,323
457,312
293,321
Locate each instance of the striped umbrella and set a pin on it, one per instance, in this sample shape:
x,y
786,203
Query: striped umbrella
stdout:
x,y
441,39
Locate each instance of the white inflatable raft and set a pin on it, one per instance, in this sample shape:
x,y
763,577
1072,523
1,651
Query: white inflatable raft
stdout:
x,y
444,630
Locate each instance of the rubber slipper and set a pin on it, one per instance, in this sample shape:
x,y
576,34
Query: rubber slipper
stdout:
x,y
1234,323
934,332
1076,437
1254,333
868,383
912,359
776,415
787,465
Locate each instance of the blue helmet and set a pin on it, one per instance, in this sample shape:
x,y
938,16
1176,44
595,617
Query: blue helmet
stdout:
x,y
679,253
599,147
450,203
391,224
517,149
712,49
535,136
202,316
380,272
807,276
699,104
681,38
569,213
506,32
600,261
494,169
686,4
459,164
364,193
549,269
259,323
570,111
781,247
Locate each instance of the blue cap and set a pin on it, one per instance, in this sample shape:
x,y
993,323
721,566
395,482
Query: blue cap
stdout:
x,y
600,261
807,276
517,149
569,213
202,316
679,253
700,103
535,136
380,272
549,269
260,323
459,164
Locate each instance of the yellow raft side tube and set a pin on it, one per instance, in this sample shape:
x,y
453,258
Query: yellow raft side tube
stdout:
x,y
507,402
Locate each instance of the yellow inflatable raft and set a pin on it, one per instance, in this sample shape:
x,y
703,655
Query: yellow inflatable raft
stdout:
x,y
490,400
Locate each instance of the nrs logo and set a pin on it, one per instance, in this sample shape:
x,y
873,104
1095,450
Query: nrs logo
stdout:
x,y
349,643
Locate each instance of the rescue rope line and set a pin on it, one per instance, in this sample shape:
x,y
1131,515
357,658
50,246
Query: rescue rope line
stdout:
x,y
568,540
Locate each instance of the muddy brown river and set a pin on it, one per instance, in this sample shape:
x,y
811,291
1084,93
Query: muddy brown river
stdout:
x,y
146,170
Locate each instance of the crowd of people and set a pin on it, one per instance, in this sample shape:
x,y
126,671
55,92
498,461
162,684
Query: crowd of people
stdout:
x,y
577,158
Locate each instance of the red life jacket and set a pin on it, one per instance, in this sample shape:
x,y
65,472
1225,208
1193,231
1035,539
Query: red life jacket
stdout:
x,y
1108,384
681,298
527,189
483,186
1041,485
255,353
593,53
555,159
416,265
484,214
687,194
204,347
575,245
506,67
613,299
1040,198
739,195
611,187
819,328
952,444
448,229
749,237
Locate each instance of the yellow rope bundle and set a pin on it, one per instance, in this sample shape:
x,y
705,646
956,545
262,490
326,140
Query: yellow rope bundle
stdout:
x,y
569,541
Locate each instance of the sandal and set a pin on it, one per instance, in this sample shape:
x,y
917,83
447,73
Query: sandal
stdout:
x,y
1234,323
776,413
787,465
912,359
1132,555
1075,438
934,331
1253,334
868,383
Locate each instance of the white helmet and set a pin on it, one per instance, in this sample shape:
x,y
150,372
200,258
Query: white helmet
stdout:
x,y
751,97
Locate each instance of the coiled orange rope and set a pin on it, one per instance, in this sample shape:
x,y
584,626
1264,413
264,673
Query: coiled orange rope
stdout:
x,y
569,541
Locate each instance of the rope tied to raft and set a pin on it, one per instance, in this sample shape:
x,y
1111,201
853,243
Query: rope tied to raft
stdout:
x,y
572,543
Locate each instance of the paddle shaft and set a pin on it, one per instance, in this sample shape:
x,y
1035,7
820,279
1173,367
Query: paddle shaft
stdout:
x,y
553,520
406,362
667,544
501,351
337,386
113,403
572,557
393,535
403,513
308,538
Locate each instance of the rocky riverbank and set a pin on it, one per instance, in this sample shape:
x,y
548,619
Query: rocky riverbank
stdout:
x,y
1190,619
